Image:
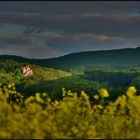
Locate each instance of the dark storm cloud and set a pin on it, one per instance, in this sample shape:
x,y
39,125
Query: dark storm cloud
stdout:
x,y
90,23
53,8
27,46
66,27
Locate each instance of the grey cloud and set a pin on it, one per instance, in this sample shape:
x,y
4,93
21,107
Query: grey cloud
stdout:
x,y
28,39
68,7
25,49
88,22
71,26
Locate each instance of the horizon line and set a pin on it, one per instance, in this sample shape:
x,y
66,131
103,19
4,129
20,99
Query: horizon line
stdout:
x,y
67,54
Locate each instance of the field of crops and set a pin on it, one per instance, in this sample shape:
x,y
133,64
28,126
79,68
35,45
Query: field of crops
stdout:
x,y
75,116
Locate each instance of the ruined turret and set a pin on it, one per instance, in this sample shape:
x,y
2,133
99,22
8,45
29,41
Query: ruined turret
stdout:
x,y
27,71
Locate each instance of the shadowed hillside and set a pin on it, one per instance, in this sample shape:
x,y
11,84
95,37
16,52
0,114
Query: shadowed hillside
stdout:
x,y
118,59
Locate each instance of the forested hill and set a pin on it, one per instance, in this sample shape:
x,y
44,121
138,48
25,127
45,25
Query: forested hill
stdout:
x,y
120,58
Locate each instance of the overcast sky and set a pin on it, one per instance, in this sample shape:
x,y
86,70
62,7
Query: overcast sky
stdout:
x,y
51,29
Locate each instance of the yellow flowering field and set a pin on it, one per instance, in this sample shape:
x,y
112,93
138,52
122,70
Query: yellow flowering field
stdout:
x,y
73,117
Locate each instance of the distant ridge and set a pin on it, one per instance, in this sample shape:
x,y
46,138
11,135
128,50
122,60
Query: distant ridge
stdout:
x,y
127,57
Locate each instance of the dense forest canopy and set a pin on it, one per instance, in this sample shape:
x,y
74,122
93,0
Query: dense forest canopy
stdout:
x,y
89,71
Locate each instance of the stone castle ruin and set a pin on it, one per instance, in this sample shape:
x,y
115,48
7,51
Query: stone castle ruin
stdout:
x,y
27,71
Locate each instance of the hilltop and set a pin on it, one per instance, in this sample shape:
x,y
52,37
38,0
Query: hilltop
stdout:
x,y
11,70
